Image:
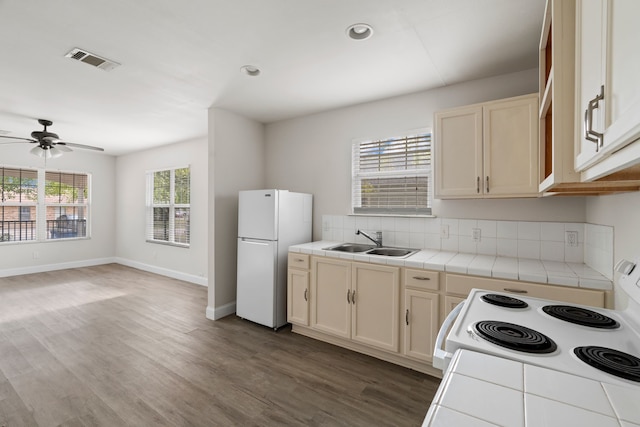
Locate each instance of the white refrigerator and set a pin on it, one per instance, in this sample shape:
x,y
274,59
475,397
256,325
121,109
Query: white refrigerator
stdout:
x,y
269,221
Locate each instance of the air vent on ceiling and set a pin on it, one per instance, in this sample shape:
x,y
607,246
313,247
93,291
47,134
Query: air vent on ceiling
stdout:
x,y
92,59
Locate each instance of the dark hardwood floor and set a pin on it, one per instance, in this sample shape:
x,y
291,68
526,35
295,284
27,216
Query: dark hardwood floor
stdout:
x,y
115,346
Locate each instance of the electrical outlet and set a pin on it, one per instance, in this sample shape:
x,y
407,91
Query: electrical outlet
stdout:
x,y
36,255
326,225
444,231
571,238
476,234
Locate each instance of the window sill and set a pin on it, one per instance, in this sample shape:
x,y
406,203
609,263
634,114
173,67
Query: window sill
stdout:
x,y
392,215
162,242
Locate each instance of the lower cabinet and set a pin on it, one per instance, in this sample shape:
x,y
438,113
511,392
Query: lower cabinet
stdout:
x,y
375,305
331,296
393,313
420,324
298,292
356,301
298,296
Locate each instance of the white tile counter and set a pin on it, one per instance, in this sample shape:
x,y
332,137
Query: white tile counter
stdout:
x,y
482,390
525,269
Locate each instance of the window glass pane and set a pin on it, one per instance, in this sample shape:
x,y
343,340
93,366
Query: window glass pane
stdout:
x,y
18,185
161,224
161,187
182,225
63,187
17,223
182,186
65,222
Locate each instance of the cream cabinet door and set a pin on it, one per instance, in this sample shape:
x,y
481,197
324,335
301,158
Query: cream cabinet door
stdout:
x,y
607,51
298,297
510,151
376,305
450,302
420,324
590,74
331,296
458,152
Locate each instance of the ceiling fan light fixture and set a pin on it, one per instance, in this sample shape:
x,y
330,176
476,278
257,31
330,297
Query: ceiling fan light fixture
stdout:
x,y
250,70
54,152
37,151
359,31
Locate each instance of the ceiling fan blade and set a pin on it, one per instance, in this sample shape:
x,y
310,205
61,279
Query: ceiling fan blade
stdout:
x,y
86,147
62,147
15,137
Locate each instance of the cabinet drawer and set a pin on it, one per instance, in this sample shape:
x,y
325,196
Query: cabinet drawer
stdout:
x,y
461,285
421,279
297,260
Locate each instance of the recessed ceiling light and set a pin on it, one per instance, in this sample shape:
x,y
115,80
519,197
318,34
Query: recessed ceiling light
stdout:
x,y
359,31
250,70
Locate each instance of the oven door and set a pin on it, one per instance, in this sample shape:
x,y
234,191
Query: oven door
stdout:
x,y
442,358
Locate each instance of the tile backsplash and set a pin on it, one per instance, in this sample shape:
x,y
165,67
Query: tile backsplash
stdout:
x,y
548,241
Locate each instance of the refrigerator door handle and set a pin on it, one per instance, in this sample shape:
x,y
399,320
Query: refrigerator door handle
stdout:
x,y
253,242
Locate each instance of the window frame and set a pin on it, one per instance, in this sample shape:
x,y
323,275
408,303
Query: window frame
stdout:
x,y
171,205
357,176
39,227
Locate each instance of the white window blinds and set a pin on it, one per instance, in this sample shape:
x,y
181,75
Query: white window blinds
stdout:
x,y
392,176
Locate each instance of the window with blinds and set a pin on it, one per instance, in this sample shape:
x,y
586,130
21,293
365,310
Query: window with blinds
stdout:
x,y
392,176
66,204
168,206
37,204
18,204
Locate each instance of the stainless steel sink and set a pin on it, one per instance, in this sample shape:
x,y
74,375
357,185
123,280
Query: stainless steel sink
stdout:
x,y
395,252
350,247
372,250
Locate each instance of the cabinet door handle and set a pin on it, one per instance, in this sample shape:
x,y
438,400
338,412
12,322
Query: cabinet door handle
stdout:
x,y
487,183
298,260
421,278
353,297
478,185
516,291
348,296
589,133
305,294
406,317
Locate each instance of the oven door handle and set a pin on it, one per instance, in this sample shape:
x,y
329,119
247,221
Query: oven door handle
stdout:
x,y
439,355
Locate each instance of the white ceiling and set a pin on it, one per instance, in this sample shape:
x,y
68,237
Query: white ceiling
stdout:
x,y
181,57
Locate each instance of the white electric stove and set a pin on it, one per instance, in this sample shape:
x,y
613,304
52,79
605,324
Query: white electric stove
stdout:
x,y
594,343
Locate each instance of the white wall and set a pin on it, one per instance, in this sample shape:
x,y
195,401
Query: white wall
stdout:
x,y
236,160
622,212
132,248
56,254
313,153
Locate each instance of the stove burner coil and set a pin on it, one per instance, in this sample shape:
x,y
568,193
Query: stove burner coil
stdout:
x,y
515,337
581,316
614,362
504,301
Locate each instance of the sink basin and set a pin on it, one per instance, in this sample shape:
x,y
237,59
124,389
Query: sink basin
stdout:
x,y
372,250
395,252
350,247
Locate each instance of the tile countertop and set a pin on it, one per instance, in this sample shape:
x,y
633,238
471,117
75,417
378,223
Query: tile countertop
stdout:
x,y
530,270
483,390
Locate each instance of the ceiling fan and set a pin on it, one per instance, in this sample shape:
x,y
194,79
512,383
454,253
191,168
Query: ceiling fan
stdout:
x,y
49,144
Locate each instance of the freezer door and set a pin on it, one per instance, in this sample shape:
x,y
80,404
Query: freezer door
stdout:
x,y
256,290
257,214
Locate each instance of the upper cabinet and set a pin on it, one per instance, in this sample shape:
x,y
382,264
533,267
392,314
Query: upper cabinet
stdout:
x,y
575,63
557,69
607,84
487,150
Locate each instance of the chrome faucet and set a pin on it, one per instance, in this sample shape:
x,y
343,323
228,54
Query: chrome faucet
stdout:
x,y
377,240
